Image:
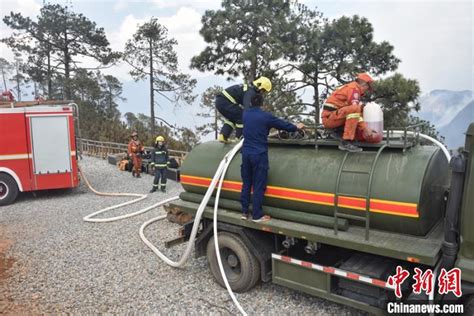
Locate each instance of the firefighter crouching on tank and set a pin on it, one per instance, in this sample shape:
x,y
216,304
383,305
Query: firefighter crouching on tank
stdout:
x,y
232,101
344,108
159,160
135,151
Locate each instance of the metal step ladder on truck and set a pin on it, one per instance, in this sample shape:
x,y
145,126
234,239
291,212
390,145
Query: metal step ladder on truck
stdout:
x,y
342,223
37,148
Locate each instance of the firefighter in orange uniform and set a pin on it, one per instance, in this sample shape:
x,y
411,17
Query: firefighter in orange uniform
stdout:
x,y
344,108
135,150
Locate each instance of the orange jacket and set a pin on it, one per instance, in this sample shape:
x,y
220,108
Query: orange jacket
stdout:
x,y
345,95
134,147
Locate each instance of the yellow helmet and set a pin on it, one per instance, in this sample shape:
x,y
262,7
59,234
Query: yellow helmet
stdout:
x,y
263,83
159,139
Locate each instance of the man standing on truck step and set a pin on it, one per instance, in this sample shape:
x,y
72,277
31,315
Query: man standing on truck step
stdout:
x,y
254,168
159,160
344,108
135,151
232,101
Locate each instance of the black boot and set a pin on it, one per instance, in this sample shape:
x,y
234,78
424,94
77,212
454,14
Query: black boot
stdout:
x,y
224,135
133,173
238,133
153,190
163,190
350,147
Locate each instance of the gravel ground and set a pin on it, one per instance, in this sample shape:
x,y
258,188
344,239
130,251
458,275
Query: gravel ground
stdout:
x,y
56,263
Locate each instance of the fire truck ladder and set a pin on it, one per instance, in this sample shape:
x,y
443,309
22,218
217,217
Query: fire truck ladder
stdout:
x,y
367,196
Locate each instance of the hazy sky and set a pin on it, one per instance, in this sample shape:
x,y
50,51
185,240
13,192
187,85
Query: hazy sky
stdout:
x,y
434,39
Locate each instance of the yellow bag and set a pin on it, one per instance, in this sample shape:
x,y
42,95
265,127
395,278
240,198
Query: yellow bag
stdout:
x,y
123,165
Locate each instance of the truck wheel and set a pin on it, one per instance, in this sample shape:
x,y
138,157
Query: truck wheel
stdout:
x,y
8,189
241,267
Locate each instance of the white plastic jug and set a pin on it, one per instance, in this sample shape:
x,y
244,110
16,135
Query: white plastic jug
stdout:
x,y
373,116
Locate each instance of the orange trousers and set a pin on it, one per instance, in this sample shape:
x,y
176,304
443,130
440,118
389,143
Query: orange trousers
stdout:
x,y
137,164
354,127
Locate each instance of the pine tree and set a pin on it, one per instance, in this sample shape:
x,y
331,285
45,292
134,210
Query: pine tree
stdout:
x,y
152,56
57,38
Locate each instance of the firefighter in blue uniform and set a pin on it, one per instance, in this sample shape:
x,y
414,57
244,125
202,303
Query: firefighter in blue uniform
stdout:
x,y
232,101
254,168
159,160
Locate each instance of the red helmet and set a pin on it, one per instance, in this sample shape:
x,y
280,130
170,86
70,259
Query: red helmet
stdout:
x,y
365,77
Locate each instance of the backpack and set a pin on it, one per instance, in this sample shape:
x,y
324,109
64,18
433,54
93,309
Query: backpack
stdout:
x,y
173,163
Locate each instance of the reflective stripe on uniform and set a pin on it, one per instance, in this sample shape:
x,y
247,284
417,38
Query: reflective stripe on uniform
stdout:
x,y
229,123
231,98
160,152
228,96
361,119
161,165
353,116
239,125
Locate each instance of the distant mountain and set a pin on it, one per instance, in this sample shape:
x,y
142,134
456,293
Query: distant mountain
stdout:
x,y
454,130
441,106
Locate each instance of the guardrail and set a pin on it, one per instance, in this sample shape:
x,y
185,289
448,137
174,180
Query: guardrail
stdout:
x,y
103,149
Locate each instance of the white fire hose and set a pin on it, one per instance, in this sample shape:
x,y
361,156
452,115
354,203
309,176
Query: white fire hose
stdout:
x,y
431,139
89,218
216,180
219,176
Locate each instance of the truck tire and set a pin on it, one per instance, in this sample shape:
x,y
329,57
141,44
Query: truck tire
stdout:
x,y
241,267
8,189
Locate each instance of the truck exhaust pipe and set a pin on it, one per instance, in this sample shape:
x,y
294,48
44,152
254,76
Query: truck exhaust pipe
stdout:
x,y
453,209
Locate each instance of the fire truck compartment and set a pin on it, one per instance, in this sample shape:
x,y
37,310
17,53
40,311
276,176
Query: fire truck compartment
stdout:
x,y
50,142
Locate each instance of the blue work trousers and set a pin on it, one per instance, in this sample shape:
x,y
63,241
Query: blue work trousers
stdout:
x,y
160,178
254,172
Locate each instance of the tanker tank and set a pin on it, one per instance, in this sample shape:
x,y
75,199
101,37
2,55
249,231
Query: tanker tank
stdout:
x,y
406,194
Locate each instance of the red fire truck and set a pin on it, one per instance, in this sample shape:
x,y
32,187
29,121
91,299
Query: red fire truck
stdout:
x,y
37,149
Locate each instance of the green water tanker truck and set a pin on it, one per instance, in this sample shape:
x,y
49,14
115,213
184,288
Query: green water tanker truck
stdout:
x,y
342,222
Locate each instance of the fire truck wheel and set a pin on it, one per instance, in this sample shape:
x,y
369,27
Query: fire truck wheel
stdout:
x,y
241,267
8,189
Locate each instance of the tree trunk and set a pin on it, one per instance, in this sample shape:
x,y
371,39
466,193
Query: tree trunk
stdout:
x,y
215,123
50,85
253,69
253,60
18,91
67,70
316,104
152,96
